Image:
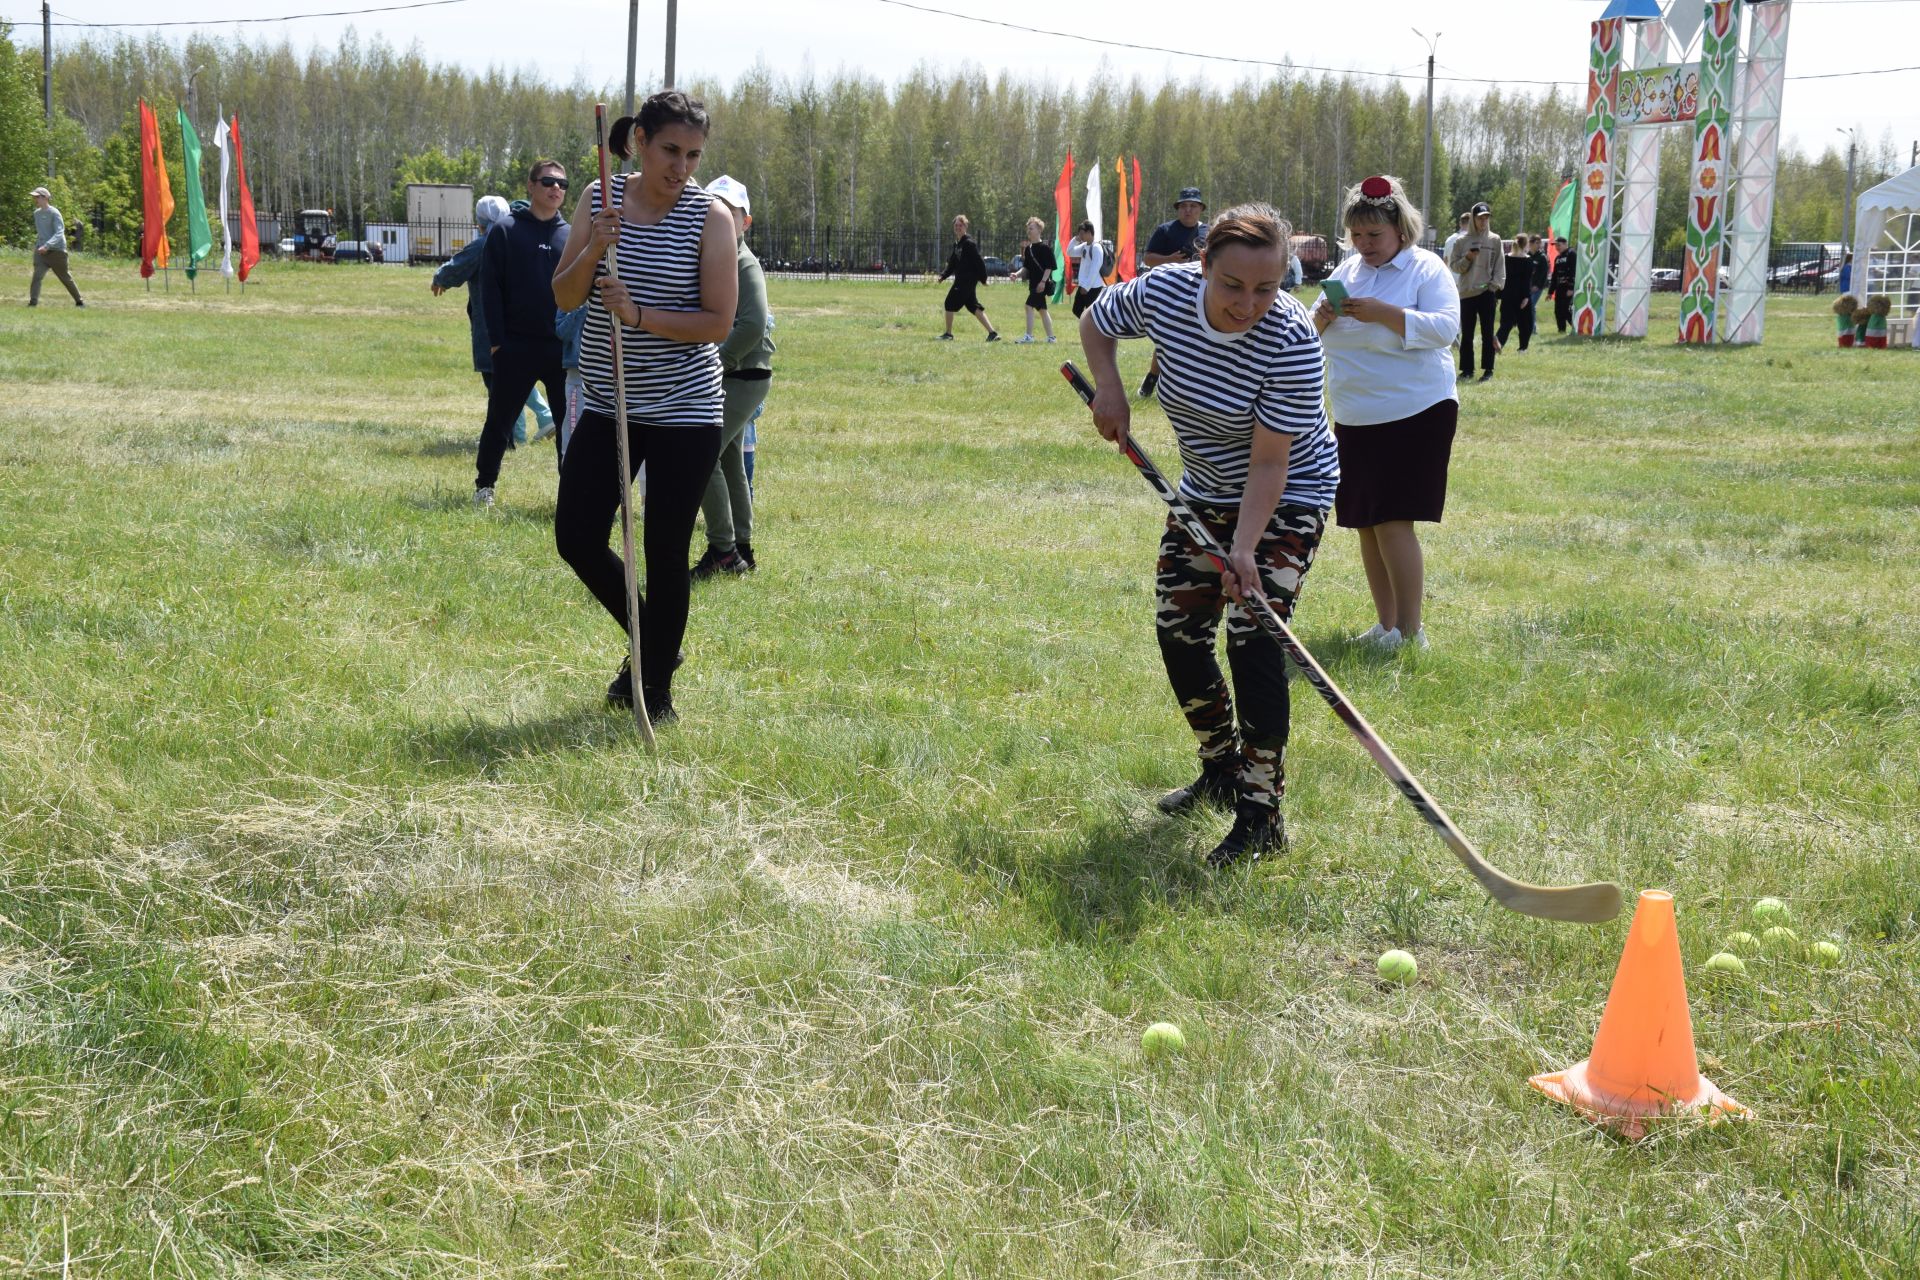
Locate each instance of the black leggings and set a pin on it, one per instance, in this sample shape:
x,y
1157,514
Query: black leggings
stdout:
x,y
679,462
516,367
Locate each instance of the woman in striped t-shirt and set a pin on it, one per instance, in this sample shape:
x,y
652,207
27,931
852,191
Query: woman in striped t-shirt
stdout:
x,y
673,296
1241,381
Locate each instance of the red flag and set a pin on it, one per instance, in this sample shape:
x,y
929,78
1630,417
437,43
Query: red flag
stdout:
x,y
249,228
156,195
1063,211
1122,250
1129,263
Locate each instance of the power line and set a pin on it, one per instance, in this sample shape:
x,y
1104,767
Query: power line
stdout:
x,y
227,22
1338,71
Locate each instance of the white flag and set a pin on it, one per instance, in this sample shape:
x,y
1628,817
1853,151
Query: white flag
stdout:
x,y
1093,207
226,232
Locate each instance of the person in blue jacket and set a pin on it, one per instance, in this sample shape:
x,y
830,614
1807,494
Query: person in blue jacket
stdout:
x,y
463,269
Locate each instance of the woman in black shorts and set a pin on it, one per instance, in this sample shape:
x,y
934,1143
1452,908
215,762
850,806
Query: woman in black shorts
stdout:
x,y
969,272
1037,265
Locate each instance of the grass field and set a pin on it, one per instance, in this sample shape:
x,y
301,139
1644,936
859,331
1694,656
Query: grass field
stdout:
x,y
344,933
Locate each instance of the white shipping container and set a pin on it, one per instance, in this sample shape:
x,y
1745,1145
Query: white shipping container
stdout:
x,y
390,239
440,220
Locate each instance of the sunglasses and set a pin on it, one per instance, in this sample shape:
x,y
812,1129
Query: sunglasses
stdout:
x,y
550,181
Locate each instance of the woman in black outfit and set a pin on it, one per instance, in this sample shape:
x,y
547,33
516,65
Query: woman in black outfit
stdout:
x,y
1037,265
1516,296
969,272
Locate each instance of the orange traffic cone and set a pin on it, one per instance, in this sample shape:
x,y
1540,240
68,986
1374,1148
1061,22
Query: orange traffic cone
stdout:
x,y
1643,1063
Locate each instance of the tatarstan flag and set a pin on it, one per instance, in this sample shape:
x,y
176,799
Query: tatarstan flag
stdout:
x,y
156,195
1063,222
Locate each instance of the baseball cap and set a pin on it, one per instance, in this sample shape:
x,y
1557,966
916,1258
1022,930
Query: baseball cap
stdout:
x,y
1190,193
733,191
1482,207
41,191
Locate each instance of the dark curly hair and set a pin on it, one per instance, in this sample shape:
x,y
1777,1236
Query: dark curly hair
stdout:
x,y
669,106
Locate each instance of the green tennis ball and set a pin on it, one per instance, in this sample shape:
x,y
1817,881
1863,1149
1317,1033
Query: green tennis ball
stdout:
x,y
1743,941
1827,952
1770,911
1726,962
1780,936
1161,1039
1398,966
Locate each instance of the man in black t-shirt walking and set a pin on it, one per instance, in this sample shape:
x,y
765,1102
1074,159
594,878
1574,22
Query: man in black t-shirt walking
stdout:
x,y
1177,241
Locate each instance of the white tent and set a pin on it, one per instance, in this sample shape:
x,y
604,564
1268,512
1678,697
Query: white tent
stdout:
x,y
1886,250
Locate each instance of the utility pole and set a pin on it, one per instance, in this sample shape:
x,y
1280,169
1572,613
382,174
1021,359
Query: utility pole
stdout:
x,y
673,23
190,80
46,75
1426,173
1846,209
633,46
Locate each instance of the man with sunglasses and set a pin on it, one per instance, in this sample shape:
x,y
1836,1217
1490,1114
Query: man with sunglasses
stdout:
x,y
516,292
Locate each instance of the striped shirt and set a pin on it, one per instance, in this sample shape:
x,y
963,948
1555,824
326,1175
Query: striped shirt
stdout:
x,y
1216,386
671,384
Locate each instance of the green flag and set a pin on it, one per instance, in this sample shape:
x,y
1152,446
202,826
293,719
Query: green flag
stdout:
x,y
1561,223
199,234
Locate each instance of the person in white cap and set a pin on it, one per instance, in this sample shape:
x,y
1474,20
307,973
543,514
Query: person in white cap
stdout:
x,y
50,248
746,364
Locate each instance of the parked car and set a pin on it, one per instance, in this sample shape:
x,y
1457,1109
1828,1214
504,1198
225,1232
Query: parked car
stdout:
x,y
1666,280
286,248
356,251
997,268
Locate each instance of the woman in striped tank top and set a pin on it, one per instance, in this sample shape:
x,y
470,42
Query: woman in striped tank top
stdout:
x,y
674,297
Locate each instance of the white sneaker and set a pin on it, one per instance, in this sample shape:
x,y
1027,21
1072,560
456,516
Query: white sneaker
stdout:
x,y
1418,640
1023,342
1390,640
483,497
1051,341
1371,636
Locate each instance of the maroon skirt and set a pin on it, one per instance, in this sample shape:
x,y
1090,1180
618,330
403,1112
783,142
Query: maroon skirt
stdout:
x,y
1395,470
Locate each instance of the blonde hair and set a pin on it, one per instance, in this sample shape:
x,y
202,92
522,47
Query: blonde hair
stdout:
x,y
1035,222
1400,214
963,220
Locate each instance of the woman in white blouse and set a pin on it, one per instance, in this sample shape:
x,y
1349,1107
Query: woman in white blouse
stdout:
x,y
1390,378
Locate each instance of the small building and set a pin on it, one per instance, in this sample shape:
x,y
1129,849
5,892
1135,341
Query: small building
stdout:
x,y
387,243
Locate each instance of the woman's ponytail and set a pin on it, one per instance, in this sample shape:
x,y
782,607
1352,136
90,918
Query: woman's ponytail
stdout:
x,y
620,141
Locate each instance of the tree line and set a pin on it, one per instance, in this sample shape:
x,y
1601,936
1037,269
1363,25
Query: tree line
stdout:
x,y
347,127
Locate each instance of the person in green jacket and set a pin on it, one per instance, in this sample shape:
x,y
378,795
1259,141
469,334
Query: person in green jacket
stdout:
x,y
746,363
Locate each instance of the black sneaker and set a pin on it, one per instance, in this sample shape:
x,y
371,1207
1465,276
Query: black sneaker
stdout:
x,y
1257,831
620,692
946,337
717,562
745,551
1148,383
992,336
659,705
1217,785
1487,376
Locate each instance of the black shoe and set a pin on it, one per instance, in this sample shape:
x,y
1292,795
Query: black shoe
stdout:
x,y
946,337
718,562
1218,785
745,551
1148,383
992,336
1487,376
1465,375
620,692
79,304
1257,831
659,705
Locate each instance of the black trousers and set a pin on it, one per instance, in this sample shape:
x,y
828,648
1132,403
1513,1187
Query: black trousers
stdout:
x,y
1514,316
679,462
1477,309
1563,311
1084,298
516,367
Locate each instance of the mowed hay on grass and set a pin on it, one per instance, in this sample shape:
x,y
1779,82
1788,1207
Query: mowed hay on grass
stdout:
x,y
344,932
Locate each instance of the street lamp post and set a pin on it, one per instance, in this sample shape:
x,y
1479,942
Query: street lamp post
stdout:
x,y
1426,172
190,79
1846,208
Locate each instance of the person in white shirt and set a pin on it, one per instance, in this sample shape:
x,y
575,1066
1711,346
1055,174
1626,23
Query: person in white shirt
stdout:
x,y
1088,263
1459,229
1390,377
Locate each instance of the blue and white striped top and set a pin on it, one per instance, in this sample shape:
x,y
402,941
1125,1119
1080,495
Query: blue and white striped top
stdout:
x,y
671,384
1216,386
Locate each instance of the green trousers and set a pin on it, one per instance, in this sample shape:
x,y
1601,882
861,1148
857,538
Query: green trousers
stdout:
x,y
728,506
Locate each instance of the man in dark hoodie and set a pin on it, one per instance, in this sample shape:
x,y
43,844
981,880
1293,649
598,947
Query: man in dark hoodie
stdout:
x,y
516,294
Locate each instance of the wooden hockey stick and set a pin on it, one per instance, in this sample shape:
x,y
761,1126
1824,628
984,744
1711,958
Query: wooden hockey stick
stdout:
x,y
1581,904
626,463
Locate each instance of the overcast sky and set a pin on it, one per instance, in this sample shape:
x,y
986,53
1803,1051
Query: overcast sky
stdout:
x,y
1507,40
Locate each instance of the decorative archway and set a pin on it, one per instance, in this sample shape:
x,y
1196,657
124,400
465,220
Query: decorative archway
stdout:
x,y
1686,69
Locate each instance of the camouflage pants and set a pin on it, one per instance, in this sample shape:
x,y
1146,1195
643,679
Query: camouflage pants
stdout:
x,y
1190,599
